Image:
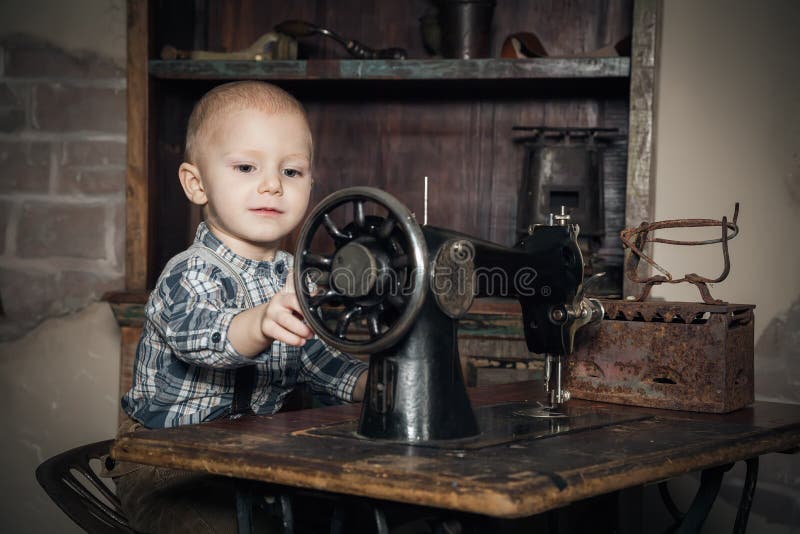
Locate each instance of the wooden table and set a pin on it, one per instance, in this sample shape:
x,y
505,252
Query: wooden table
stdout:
x,y
510,480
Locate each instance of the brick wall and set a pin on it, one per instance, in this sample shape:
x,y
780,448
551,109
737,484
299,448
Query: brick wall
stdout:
x,y
62,181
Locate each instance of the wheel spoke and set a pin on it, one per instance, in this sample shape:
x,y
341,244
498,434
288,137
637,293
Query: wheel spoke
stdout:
x,y
318,261
358,213
324,279
324,298
396,248
315,277
386,228
318,311
344,321
374,327
399,261
332,229
395,300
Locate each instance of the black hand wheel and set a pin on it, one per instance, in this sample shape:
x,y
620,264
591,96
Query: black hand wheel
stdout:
x,y
365,295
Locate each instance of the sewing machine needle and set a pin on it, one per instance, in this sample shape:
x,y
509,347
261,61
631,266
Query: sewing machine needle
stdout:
x,y
425,202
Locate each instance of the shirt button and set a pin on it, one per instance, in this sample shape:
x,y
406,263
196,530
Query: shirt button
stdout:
x,y
215,337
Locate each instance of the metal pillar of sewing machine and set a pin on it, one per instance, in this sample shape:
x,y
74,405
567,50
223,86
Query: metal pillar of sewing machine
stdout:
x,y
583,311
553,363
407,286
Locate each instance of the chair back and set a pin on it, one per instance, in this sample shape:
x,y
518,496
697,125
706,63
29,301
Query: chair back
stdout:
x,y
71,481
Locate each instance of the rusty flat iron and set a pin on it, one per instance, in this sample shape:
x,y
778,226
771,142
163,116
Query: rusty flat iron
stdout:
x,y
694,356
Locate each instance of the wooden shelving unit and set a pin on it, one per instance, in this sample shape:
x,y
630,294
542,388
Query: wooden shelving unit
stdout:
x,y
410,69
387,123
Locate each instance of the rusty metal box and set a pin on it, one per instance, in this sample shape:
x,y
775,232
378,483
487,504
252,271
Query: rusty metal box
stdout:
x,y
676,355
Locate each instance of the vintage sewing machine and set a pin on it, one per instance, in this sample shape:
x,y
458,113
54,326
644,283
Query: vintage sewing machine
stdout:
x,y
388,287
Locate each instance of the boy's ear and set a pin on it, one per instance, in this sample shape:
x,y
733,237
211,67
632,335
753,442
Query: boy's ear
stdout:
x,y
192,184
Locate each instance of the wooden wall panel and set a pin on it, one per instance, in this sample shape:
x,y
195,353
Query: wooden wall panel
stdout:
x,y
136,174
468,153
644,77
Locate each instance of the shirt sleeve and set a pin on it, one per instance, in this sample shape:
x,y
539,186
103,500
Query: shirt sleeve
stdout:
x,y
327,370
192,311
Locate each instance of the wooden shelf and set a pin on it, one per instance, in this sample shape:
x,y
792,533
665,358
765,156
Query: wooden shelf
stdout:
x,y
410,69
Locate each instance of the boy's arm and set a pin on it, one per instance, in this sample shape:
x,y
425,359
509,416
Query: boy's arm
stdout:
x,y
335,373
361,388
190,309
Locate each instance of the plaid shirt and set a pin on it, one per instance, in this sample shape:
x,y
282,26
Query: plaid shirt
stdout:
x,y
185,365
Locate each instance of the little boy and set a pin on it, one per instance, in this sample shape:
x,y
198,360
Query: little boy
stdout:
x,y
223,332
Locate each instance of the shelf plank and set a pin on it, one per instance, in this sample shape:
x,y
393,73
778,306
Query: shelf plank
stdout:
x,y
412,69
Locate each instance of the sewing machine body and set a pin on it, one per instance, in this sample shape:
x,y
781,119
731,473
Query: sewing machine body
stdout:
x,y
409,285
416,391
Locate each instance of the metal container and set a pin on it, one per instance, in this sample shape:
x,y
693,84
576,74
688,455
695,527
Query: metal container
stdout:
x,y
466,28
675,355
563,167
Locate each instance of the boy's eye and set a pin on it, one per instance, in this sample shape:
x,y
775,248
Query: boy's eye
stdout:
x,y
291,173
245,168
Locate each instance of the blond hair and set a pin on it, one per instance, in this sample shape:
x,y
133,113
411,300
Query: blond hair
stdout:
x,y
235,96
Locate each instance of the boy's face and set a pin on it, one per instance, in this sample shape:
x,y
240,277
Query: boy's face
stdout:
x,y
255,179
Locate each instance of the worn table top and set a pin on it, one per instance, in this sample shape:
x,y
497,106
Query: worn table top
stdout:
x,y
515,479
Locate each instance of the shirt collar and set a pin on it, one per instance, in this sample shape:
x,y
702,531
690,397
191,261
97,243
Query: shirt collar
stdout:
x,y
280,265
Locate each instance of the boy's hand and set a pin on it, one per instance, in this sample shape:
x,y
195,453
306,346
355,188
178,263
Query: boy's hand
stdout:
x,y
282,318
253,330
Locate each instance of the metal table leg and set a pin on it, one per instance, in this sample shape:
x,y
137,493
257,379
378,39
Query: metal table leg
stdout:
x,y
710,482
380,522
286,514
247,497
746,502
244,509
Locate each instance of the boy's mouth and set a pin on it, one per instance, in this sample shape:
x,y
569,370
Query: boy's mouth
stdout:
x,y
267,211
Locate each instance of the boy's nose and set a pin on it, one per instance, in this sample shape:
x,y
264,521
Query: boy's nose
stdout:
x,y
271,183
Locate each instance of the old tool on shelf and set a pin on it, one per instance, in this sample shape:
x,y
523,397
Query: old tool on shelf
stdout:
x,y
521,45
270,46
299,29
387,287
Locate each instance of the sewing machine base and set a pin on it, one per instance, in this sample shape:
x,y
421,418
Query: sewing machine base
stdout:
x,y
674,355
501,423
